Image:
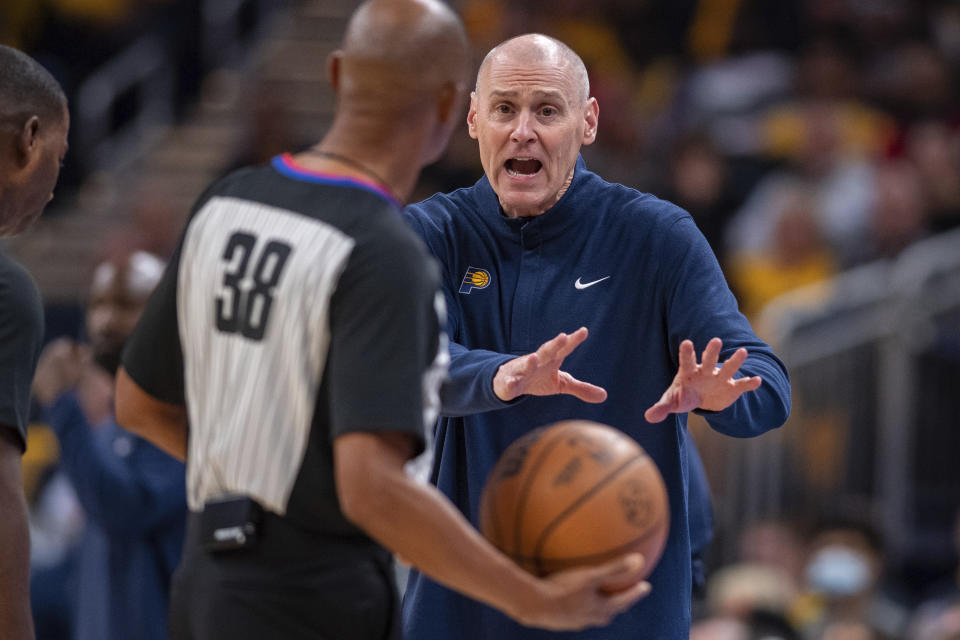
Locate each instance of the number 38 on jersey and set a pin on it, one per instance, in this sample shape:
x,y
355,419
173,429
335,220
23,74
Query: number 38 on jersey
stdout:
x,y
252,271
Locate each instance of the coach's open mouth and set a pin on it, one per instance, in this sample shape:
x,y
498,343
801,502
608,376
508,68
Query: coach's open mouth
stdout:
x,y
522,166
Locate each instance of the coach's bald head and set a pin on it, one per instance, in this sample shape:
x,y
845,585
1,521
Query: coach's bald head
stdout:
x,y
537,49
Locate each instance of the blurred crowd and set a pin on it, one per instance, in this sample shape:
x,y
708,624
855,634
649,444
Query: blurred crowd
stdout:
x,y
826,579
805,137
74,38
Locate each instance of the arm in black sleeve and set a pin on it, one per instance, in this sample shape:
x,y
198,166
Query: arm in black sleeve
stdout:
x,y
21,337
385,339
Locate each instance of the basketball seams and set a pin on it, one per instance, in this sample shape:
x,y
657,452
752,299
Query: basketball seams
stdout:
x,y
589,558
559,564
528,479
576,504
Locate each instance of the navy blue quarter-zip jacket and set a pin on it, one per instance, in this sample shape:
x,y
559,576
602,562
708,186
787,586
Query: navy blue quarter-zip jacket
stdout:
x,y
635,271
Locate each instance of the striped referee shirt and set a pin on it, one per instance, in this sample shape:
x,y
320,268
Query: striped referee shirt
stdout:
x,y
297,307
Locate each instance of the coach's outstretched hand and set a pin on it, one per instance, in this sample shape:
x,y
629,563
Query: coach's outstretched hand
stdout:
x,y
704,385
578,598
539,374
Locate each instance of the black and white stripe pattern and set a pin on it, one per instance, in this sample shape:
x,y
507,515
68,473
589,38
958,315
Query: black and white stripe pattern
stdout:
x,y
251,402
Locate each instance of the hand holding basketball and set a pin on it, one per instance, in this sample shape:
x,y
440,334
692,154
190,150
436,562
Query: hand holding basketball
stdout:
x,y
578,598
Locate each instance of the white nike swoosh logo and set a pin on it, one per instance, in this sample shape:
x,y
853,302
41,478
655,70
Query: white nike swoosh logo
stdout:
x,y
584,285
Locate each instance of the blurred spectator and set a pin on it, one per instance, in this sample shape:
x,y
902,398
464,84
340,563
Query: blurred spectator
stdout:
x,y
698,183
843,579
937,624
914,82
899,216
738,589
133,495
773,543
754,625
719,628
795,256
850,630
841,187
766,625
826,90
934,149
727,97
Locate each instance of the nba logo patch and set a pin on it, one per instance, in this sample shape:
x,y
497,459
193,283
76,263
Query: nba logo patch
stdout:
x,y
474,278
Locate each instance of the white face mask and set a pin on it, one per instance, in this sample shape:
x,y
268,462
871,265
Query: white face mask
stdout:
x,y
837,571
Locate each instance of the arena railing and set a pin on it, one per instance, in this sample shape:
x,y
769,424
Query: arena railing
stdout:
x,y
123,106
874,358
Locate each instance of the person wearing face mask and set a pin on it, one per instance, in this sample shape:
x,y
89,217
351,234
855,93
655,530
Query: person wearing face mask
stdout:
x,y
843,579
535,254
133,495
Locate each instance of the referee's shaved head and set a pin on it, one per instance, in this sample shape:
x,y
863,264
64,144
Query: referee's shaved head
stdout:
x,y
394,50
27,89
34,122
536,48
400,77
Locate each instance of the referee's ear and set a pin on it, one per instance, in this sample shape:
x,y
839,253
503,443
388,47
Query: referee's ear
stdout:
x,y
28,140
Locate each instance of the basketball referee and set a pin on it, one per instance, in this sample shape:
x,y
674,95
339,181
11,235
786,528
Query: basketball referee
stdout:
x,y
34,122
298,330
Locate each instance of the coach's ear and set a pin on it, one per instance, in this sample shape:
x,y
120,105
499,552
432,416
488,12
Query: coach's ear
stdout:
x,y
472,116
591,119
333,69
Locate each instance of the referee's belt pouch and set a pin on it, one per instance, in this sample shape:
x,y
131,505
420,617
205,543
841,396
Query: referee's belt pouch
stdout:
x,y
230,523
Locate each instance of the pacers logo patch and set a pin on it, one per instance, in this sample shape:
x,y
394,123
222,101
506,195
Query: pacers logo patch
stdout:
x,y
474,278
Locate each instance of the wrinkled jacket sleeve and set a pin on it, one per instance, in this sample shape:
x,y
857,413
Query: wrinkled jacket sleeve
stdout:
x,y
700,306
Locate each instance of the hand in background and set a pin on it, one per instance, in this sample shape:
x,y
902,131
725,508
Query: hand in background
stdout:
x,y
61,367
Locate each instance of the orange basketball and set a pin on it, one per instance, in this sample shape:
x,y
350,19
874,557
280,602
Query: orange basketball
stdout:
x,y
575,493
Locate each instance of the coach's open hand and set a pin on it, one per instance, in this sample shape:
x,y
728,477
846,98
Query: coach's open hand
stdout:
x,y
704,385
539,374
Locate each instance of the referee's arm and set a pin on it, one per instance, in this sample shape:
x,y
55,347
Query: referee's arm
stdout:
x,y
162,423
15,621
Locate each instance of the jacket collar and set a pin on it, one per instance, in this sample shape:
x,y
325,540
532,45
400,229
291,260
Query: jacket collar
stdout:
x,y
570,209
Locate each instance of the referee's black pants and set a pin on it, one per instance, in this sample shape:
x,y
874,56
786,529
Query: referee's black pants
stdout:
x,y
291,585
